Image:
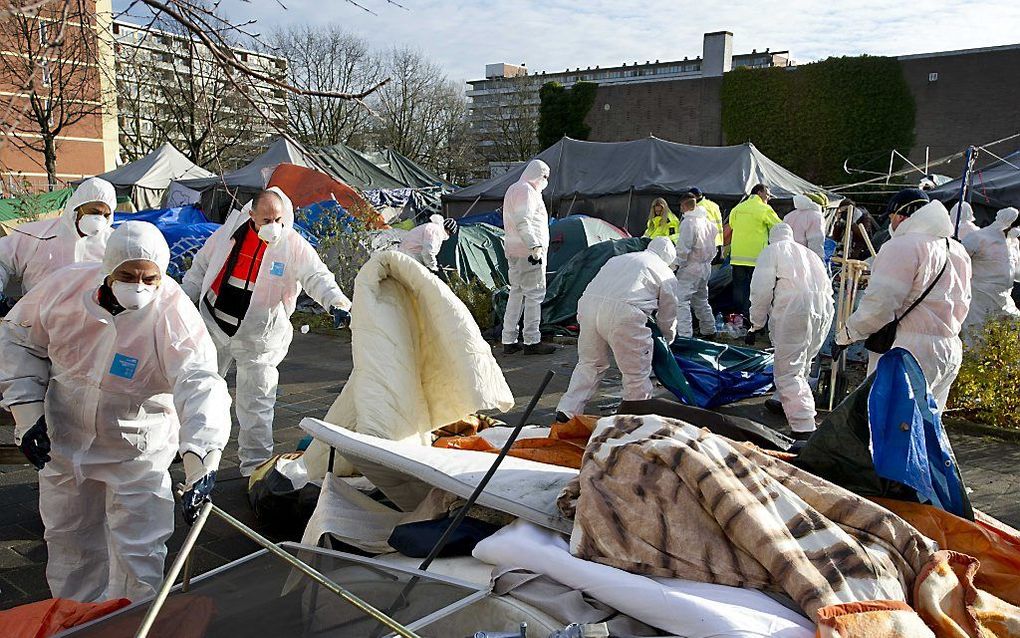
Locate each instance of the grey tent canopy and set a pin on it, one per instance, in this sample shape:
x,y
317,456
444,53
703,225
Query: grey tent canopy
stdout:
x,y
617,181
407,171
355,169
993,187
145,180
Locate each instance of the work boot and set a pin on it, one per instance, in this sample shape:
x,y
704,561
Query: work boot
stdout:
x,y
562,418
799,439
774,406
512,348
539,348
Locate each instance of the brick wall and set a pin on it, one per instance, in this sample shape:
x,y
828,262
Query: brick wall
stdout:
x,y
686,111
975,100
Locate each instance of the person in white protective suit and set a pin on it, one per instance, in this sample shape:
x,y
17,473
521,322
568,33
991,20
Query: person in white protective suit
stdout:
x,y
808,224
967,225
110,372
34,250
695,250
993,272
423,242
791,291
613,314
906,265
246,280
526,244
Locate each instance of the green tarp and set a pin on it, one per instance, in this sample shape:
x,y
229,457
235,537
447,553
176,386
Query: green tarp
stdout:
x,y
33,205
476,252
571,235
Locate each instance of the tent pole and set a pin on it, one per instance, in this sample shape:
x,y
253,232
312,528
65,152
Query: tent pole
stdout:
x,y
841,310
468,211
630,198
571,209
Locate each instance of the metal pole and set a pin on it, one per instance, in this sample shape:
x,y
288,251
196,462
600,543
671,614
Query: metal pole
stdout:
x,y
968,163
843,272
168,583
315,575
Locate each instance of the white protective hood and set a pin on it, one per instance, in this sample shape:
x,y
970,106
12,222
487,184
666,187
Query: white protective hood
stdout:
x,y
420,361
91,190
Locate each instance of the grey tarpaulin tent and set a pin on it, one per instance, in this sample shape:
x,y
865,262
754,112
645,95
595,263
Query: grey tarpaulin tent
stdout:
x,y
617,181
991,188
355,169
219,194
145,180
410,173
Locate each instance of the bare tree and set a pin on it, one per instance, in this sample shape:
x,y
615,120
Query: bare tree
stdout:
x,y
508,123
327,57
49,68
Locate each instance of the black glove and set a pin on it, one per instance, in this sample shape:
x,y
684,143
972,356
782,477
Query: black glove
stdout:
x,y
836,351
341,318
533,261
718,256
193,499
35,445
750,338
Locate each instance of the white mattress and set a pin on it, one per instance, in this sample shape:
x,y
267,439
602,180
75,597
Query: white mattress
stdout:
x,y
406,471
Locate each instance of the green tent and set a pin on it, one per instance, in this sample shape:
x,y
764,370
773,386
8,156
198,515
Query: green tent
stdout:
x,y
476,252
570,235
15,208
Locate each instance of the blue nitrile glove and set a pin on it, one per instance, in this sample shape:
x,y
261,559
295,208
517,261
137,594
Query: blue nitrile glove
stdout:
x,y
35,444
193,499
341,318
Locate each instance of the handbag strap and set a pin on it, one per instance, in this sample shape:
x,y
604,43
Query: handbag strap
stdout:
x,y
929,288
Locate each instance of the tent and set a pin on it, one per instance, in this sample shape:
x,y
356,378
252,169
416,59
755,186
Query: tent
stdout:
x,y
409,173
993,187
476,252
355,169
617,181
145,180
15,211
707,374
574,233
307,186
220,194
185,229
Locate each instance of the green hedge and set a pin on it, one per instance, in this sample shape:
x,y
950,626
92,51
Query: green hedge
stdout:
x,y
812,118
563,111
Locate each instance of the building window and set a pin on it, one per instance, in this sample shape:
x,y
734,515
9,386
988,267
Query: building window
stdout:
x,y
244,57
43,41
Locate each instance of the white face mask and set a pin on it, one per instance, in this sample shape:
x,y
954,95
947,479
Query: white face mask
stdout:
x,y
133,296
90,225
271,233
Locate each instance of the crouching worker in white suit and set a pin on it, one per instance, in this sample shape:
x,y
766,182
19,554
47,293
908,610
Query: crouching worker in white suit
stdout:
x,y
246,280
526,244
423,242
110,372
790,290
613,314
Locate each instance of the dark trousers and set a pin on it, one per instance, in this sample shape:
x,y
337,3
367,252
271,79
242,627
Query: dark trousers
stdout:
x,y
742,288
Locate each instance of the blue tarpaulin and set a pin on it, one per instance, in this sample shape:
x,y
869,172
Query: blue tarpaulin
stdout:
x,y
908,442
493,218
707,374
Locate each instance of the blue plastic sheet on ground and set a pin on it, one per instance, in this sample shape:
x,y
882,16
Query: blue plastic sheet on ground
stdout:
x,y
908,442
715,374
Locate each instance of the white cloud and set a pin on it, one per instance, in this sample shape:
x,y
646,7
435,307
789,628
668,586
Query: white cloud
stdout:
x,y
552,35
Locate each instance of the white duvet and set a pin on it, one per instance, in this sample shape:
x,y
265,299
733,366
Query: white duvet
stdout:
x,y
681,607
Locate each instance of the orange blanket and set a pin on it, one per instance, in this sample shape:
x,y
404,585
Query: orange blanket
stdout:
x,y
564,446
48,617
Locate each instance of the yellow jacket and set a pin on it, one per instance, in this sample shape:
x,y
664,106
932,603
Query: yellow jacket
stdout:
x,y
751,221
657,228
714,216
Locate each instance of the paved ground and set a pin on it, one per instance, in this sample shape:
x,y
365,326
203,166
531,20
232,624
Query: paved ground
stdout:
x,y
310,379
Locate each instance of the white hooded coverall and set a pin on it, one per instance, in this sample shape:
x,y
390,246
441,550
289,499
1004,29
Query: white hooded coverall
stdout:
x,y
967,225
122,394
808,224
790,289
34,250
902,270
526,224
993,273
264,335
613,314
423,242
695,250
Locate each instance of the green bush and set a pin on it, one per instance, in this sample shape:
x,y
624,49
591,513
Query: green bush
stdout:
x,y
477,297
562,112
812,118
344,246
988,386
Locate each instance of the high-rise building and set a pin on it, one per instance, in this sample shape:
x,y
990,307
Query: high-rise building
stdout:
x,y
56,96
504,105
170,88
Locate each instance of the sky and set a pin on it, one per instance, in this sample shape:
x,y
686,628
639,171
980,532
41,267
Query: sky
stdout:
x,y
552,35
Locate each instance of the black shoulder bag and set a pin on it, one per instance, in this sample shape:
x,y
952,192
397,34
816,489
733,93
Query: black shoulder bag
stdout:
x,y
881,341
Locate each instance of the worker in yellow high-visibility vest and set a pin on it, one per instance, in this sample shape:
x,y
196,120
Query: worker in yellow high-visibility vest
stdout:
x,y
714,214
749,223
